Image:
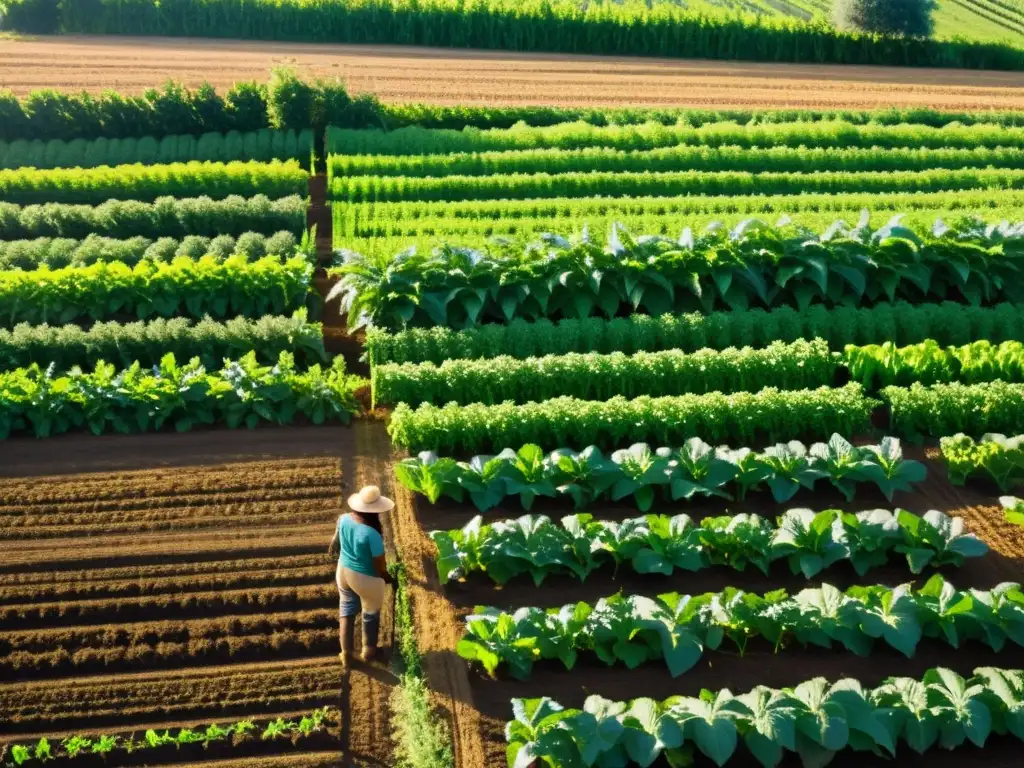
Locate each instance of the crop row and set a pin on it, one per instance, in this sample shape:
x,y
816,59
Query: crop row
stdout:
x,y
57,253
752,265
747,418
947,409
138,399
122,344
591,376
110,745
481,217
485,235
809,542
947,323
354,189
677,629
208,286
638,472
813,721
414,140
258,146
166,216
192,604
80,650
798,365
767,416
691,159
994,457
148,182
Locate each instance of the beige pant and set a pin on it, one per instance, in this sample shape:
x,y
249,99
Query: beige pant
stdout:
x,y
359,591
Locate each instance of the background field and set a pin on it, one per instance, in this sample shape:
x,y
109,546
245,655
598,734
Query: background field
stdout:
x,y
445,76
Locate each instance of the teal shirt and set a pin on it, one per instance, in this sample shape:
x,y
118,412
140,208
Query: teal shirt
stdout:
x,y
359,545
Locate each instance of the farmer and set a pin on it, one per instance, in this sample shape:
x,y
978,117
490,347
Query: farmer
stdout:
x,y
362,570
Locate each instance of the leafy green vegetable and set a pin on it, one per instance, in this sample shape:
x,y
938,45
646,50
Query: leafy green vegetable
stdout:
x,y
809,541
676,629
814,720
692,471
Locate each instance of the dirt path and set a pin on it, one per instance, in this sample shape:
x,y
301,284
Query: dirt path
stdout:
x,y
448,76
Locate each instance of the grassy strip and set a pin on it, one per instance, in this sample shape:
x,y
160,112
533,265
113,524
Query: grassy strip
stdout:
x,y
421,738
353,189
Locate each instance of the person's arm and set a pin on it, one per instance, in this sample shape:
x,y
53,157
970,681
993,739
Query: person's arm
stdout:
x,y
335,549
381,564
380,561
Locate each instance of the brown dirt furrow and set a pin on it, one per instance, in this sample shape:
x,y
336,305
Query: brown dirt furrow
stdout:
x,y
153,578
82,453
275,576
218,479
481,77
207,692
70,528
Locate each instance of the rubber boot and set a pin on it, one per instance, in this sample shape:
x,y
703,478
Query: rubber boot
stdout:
x,y
346,627
371,632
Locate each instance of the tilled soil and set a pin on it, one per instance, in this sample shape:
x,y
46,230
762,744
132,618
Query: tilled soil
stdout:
x,y
177,580
482,705
452,76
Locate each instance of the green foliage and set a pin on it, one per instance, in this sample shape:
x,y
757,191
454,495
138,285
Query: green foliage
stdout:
x,y
949,409
887,17
695,159
122,344
1013,509
814,721
514,186
351,150
57,253
809,542
382,229
208,286
762,417
639,472
677,629
947,323
752,265
628,28
165,217
876,366
138,399
261,146
140,182
105,745
995,457
800,365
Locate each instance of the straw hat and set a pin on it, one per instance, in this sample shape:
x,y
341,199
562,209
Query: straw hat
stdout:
x,y
369,501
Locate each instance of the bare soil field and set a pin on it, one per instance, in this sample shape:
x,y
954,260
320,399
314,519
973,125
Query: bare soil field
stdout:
x,y
164,581
479,706
449,76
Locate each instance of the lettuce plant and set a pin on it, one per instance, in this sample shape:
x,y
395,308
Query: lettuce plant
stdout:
x,y
810,722
677,629
695,470
808,541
